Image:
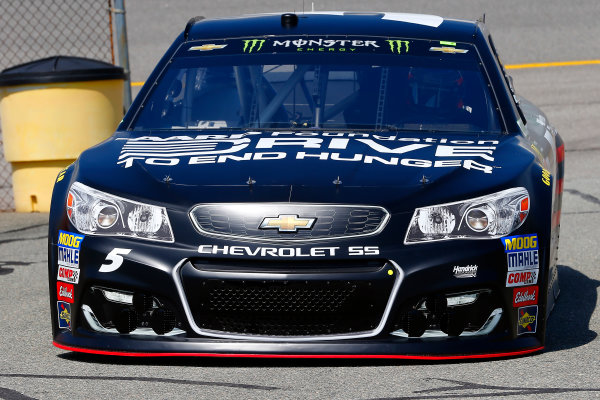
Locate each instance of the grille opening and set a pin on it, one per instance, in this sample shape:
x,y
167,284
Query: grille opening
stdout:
x,y
288,299
450,314
110,310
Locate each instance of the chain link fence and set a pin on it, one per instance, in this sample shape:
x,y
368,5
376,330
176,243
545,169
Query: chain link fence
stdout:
x,y
35,29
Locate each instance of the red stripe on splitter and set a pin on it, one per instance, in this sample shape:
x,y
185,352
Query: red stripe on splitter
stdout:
x,y
338,356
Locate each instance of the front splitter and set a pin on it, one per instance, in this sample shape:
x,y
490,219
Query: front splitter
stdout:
x,y
437,350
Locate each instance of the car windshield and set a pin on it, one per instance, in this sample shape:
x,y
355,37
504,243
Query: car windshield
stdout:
x,y
322,83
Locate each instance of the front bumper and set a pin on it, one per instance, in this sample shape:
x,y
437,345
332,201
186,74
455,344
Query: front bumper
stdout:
x,y
152,270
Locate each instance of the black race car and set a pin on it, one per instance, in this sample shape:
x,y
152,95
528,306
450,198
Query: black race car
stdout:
x,y
314,185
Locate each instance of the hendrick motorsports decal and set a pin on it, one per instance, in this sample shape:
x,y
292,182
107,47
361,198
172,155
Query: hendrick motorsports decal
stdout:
x,y
527,320
69,245
522,278
64,315
287,251
521,252
363,148
470,271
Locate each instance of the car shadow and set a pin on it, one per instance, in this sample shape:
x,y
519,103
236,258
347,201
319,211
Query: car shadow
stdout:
x,y
568,327
569,323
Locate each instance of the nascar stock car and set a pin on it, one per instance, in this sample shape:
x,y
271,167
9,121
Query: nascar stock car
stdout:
x,y
315,185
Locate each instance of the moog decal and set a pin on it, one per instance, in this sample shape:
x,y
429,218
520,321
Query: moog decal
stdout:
x,y
328,146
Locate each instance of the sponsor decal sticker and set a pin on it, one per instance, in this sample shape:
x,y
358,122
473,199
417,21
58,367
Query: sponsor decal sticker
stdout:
x,y
521,252
546,177
527,320
69,245
396,46
343,147
67,274
64,315
520,243
470,271
525,296
61,175
65,292
522,278
253,45
521,260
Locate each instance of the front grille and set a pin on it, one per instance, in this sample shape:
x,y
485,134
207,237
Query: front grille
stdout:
x,y
307,305
331,221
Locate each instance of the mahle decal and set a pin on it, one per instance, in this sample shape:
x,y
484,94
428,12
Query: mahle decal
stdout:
x,y
396,46
249,45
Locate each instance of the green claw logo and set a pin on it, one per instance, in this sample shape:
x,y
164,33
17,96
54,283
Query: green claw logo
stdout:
x,y
251,44
396,46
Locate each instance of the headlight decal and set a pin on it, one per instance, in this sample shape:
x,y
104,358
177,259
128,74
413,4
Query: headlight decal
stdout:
x,y
486,217
98,213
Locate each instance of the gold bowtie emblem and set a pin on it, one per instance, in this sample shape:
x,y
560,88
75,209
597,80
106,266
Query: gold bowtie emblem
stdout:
x,y
287,223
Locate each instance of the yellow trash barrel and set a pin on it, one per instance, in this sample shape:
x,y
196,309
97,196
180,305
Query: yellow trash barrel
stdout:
x,y
50,111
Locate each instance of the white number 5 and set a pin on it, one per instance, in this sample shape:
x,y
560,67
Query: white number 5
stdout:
x,y
115,260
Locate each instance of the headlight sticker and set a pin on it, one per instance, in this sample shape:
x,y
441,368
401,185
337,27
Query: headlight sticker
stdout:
x,y
522,278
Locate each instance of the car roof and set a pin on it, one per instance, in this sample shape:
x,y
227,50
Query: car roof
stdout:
x,y
415,26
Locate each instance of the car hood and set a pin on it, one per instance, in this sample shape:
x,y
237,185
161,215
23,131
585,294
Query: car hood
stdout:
x,y
397,170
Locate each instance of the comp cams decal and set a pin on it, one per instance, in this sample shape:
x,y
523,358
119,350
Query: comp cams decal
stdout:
x,y
521,252
64,315
392,150
522,278
69,245
527,320
67,274
287,251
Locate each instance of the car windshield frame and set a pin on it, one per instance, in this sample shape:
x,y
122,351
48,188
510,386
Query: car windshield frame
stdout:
x,y
420,57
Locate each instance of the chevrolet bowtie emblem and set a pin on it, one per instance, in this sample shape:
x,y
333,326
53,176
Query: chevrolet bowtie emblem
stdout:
x,y
207,47
287,223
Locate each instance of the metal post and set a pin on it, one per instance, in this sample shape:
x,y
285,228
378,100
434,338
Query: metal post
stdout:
x,y
122,49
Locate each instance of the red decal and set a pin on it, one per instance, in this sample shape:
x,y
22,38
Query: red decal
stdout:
x,y
65,292
525,296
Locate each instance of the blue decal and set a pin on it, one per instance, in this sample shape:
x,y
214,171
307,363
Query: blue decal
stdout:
x,y
68,249
520,243
64,315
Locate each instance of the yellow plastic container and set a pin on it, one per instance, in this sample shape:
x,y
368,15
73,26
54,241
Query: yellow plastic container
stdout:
x,y
46,124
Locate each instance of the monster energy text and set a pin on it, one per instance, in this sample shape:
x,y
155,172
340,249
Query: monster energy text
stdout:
x,y
249,45
396,46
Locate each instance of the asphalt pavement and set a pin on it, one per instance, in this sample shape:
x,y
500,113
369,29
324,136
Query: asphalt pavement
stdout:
x,y
525,32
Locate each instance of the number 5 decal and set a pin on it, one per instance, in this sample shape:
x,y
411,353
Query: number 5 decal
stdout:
x,y
115,258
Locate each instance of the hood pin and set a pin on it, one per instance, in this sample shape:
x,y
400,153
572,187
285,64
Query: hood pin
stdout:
x,y
250,181
337,181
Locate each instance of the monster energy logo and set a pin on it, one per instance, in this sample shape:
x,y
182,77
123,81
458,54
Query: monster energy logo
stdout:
x,y
396,46
251,44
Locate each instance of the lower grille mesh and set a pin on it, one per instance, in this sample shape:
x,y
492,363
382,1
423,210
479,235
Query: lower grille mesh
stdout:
x,y
305,305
